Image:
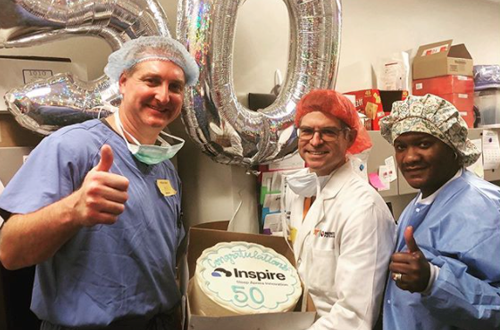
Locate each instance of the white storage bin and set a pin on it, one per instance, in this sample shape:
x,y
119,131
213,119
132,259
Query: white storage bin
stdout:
x,y
488,103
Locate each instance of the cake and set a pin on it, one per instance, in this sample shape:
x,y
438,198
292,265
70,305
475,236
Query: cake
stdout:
x,y
239,278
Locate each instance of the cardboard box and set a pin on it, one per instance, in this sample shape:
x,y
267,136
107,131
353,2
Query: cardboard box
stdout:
x,y
207,235
18,71
376,104
14,135
443,85
441,59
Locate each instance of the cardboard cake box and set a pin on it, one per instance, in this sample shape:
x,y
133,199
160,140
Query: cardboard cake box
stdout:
x,y
207,235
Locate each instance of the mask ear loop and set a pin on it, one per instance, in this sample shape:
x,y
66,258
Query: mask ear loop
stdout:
x,y
105,106
173,137
285,225
286,234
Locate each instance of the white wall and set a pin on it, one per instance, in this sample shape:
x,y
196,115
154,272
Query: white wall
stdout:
x,y
371,29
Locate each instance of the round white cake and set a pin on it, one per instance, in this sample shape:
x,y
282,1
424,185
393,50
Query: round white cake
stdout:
x,y
243,278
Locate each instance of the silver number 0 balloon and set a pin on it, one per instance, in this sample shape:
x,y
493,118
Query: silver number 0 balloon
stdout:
x,y
227,131
46,105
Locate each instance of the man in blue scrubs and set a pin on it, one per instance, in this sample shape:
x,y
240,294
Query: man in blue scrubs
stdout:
x,y
445,272
97,205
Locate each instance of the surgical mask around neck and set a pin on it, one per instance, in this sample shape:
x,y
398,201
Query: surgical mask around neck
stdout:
x,y
150,154
307,184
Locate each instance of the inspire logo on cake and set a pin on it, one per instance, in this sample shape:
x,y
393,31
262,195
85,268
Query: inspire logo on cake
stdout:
x,y
249,276
219,272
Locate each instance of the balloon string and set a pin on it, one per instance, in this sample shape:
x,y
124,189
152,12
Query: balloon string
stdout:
x,y
230,226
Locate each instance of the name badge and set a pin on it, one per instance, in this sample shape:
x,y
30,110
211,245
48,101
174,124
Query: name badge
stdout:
x,y
165,187
293,234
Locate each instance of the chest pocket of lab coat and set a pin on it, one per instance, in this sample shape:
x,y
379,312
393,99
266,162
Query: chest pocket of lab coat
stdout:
x,y
321,266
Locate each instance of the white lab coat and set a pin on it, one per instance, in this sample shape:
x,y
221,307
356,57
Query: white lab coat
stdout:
x,y
342,250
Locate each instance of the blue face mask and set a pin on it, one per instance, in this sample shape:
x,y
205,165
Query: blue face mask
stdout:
x,y
150,154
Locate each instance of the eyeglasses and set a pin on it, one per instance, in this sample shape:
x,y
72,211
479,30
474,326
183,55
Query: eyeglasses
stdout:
x,y
326,134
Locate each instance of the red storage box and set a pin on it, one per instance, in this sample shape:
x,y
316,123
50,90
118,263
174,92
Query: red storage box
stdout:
x,y
464,102
469,117
443,85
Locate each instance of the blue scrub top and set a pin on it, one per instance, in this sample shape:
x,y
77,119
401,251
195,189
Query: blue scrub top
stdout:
x,y
106,272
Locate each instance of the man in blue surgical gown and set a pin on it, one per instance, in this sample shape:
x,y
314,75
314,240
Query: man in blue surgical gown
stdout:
x,y
445,273
97,205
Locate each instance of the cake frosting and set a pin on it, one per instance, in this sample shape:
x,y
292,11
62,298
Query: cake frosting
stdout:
x,y
243,278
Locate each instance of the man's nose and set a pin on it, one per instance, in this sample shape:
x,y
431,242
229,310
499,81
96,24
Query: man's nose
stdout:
x,y
316,139
163,94
412,155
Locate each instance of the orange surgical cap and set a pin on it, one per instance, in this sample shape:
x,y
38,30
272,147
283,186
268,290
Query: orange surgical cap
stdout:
x,y
334,104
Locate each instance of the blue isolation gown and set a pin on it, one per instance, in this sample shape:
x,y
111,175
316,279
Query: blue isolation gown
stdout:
x,y
460,233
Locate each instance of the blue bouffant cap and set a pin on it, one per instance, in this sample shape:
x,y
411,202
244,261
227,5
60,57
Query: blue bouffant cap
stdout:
x,y
152,48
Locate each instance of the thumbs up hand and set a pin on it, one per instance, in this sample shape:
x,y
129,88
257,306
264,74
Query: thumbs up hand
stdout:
x,y
410,269
106,159
102,195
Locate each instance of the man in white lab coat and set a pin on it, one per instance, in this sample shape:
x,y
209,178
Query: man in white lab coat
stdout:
x,y
341,229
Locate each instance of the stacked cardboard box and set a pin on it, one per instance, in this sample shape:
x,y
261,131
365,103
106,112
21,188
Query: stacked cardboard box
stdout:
x,y
14,135
446,71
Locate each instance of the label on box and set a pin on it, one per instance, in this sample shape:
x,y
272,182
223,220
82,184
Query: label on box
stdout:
x,y
32,75
371,110
463,96
418,86
435,50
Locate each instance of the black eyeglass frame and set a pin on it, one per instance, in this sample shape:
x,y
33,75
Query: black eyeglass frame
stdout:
x,y
327,134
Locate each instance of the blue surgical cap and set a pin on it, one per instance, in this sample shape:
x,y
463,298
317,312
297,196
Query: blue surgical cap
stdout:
x,y
150,49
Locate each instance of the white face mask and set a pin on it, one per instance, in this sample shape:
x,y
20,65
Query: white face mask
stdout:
x,y
305,185
150,154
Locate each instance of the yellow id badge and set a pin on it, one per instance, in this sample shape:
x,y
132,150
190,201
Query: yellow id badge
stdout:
x,y
165,187
293,234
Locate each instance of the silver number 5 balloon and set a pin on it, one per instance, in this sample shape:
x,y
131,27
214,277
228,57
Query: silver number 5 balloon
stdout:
x,y
227,131
45,105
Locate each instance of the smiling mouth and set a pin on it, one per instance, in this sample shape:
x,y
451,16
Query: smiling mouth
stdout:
x,y
160,109
317,153
414,171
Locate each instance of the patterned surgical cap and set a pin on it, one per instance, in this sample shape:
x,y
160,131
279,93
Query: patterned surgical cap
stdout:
x,y
432,115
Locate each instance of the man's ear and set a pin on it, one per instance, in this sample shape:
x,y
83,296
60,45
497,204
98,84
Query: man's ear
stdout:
x,y
351,136
122,81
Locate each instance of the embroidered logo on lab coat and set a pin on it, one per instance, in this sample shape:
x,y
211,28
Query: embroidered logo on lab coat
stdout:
x,y
324,234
